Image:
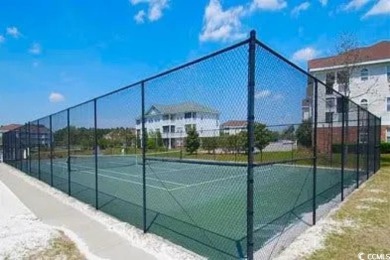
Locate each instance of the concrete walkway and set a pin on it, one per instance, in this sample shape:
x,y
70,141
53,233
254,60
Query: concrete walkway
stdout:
x,y
50,210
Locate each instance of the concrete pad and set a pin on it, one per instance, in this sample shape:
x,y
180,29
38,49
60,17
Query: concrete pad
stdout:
x,y
50,210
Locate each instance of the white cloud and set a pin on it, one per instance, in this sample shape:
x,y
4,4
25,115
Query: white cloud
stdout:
x,y
13,31
355,5
2,38
262,94
304,54
35,49
140,17
155,9
278,97
380,8
56,97
268,4
300,8
323,2
222,25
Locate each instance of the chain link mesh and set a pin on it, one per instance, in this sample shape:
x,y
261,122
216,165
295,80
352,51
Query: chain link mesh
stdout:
x,y
170,154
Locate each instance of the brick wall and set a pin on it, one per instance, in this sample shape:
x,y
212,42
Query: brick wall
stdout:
x,y
326,136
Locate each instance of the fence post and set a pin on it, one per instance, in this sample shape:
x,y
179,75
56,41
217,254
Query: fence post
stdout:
x,y
96,155
51,150
251,139
379,142
374,143
68,143
315,151
368,146
29,148
39,150
143,156
342,145
20,161
20,164
358,148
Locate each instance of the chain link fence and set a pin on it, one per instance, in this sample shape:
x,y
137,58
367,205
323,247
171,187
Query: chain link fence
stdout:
x,y
226,155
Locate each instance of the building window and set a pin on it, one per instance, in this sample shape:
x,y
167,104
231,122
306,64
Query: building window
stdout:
x,y
329,117
339,105
329,81
364,74
364,103
189,126
388,73
187,115
172,128
363,138
165,129
342,81
330,102
330,78
388,104
165,117
388,135
343,88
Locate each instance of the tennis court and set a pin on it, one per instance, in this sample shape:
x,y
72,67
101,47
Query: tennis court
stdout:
x,y
190,202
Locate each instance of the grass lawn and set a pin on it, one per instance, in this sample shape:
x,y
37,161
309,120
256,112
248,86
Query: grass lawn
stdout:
x,y
368,212
60,248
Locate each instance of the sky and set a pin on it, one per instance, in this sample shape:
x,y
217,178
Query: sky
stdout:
x,y
56,54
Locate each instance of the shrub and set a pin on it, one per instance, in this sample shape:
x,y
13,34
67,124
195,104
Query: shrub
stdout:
x,y
385,147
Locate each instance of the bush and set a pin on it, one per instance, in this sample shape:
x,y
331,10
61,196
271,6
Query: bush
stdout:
x,y
352,148
209,143
385,147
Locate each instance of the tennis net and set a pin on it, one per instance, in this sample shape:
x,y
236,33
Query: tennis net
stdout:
x,y
81,162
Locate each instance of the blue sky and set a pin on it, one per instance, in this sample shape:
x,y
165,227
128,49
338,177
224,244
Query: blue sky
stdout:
x,y
55,54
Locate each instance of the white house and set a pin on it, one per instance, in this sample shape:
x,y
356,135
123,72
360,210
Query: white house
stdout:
x,y
233,127
369,85
173,121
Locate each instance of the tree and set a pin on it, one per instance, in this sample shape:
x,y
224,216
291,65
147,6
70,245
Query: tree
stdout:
x,y
152,140
192,140
304,134
209,143
263,137
159,140
155,140
288,133
350,57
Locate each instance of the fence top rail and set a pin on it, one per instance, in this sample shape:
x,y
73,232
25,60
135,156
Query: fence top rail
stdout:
x,y
213,54
269,49
161,74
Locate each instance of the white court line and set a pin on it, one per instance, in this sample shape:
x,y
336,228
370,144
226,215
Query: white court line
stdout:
x,y
183,186
120,179
133,175
179,170
170,169
207,182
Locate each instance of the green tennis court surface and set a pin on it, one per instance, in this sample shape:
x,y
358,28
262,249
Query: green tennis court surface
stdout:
x,y
192,203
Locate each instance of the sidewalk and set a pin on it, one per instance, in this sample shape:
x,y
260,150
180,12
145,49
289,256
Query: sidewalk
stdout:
x,y
50,210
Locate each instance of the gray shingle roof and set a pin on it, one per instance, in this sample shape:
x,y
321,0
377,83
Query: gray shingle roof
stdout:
x,y
184,107
181,108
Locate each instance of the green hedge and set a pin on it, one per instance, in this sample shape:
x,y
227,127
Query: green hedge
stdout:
x,y
385,147
337,148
